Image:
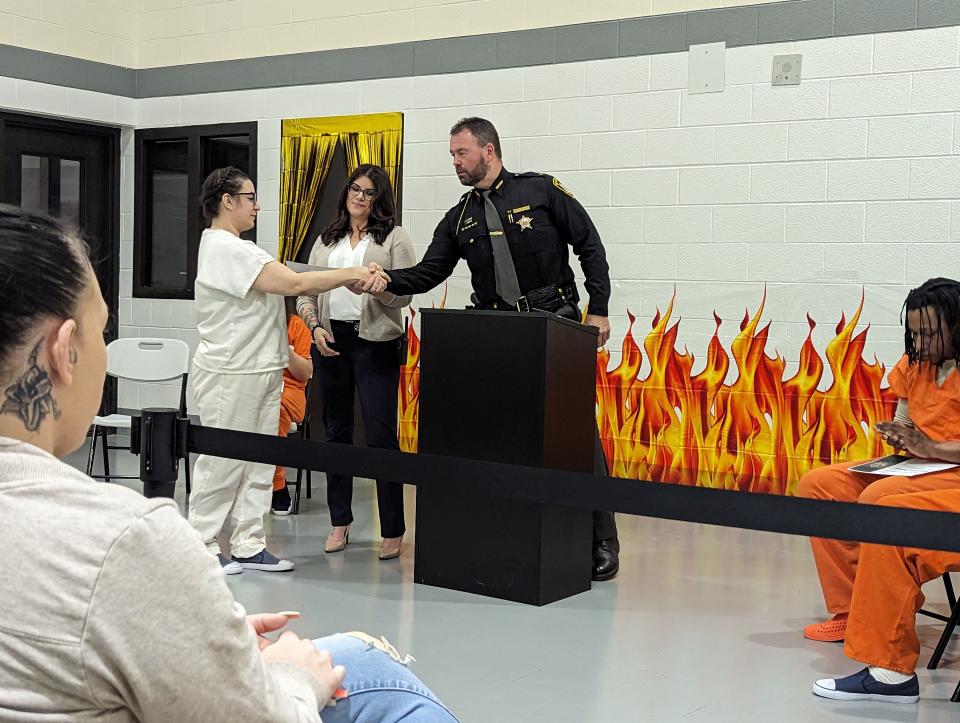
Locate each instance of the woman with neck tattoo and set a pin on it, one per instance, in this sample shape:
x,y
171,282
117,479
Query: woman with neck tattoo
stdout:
x,y
112,608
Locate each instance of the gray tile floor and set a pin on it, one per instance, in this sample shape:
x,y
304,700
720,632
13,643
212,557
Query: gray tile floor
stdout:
x,y
701,625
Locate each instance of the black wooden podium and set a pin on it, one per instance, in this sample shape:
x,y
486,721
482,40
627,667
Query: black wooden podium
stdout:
x,y
506,387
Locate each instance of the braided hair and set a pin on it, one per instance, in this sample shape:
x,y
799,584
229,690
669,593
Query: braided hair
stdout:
x,y
43,271
227,180
943,297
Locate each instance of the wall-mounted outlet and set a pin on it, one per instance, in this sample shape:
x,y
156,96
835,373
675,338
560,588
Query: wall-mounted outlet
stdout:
x,y
786,69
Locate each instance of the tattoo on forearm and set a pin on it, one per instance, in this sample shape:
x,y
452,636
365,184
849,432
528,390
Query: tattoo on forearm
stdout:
x,y
308,311
31,396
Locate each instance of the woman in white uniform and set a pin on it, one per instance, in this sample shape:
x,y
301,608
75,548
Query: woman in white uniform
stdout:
x,y
238,367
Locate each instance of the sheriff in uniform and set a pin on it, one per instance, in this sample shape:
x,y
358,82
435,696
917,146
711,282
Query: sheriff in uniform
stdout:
x,y
515,231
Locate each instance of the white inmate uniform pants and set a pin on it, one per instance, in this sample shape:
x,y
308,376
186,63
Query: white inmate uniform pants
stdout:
x,y
231,488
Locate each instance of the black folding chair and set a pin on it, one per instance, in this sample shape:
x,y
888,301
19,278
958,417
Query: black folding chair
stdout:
x,y
951,621
302,431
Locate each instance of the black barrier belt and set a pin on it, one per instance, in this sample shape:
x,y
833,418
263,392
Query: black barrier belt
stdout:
x,y
748,510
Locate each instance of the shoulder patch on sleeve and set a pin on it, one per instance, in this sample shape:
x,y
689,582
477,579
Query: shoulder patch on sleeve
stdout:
x,y
556,182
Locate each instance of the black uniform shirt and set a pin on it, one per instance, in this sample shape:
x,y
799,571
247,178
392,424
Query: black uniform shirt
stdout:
x,y
540,220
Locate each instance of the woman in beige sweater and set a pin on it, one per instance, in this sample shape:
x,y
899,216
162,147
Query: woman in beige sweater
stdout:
x,y
358,336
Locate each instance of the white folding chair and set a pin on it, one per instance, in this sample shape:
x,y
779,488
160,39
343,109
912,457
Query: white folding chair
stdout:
x,y
139,359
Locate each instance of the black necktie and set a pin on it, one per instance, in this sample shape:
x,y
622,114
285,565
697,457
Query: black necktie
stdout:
x,y
508,287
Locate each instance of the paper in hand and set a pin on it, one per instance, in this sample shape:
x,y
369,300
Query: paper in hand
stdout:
x,y
898,465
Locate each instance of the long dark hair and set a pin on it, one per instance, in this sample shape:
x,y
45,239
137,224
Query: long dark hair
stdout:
x,y
220,181
43,272
383,212
943,296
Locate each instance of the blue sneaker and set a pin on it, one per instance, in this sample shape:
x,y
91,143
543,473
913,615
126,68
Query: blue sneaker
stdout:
x,y
863,686
229,567
264,560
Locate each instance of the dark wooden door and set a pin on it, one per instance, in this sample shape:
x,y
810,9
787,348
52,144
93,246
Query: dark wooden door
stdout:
x,y
69,170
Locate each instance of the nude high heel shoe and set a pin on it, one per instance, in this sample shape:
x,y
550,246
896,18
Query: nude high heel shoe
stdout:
x,y
390,547
335,543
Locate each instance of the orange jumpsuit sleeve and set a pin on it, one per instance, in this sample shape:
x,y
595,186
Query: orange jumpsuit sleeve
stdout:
x,y
298,336
901,377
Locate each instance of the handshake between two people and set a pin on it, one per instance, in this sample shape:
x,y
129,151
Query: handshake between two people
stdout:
x,y
372,279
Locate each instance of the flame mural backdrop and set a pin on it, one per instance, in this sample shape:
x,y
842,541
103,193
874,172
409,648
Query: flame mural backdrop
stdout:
x,y
758,433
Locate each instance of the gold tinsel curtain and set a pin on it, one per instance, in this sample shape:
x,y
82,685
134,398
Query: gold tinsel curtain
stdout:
x,y
307,150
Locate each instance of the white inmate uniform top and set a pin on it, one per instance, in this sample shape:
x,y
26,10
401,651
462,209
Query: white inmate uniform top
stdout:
x,y
344,304
242,330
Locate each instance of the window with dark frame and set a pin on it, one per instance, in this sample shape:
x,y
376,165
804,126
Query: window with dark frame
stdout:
x,y
171,164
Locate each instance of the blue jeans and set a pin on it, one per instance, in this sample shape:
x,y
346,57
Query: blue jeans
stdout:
x,y
382,689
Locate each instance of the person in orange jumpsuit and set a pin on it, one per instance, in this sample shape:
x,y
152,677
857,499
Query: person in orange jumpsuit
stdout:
x,y
873,591
293,400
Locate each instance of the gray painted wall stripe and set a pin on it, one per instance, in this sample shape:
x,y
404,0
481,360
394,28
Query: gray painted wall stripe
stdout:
x,y
735,26
804,20
27,64
870,16
938,13
591,41
657,34
750,25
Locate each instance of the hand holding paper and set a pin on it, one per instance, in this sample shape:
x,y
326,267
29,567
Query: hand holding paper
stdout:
x,y
896,465
290,647
900,435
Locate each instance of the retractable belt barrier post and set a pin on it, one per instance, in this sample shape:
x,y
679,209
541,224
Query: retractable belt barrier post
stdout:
x,y
158,435
162,439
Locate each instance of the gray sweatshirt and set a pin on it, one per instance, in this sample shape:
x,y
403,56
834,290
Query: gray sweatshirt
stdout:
x,y
112,610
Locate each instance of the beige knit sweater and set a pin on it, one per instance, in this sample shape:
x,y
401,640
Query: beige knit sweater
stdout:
x,y
112,610
381,316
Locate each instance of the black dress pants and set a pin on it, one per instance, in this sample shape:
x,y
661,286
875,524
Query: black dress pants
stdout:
x,y
604,523
373,369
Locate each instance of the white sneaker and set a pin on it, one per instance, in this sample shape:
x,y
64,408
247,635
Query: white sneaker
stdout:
x,y
264,560
863,686
229,567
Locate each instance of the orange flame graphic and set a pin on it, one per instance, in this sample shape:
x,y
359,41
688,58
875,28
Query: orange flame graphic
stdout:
x,y
408,402
759,433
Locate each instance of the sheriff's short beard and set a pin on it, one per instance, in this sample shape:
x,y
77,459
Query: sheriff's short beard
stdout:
x,y
477,175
